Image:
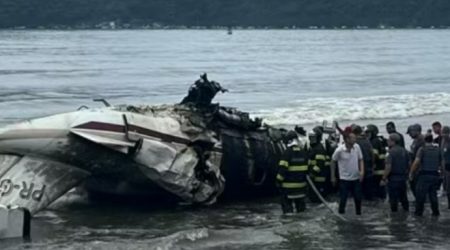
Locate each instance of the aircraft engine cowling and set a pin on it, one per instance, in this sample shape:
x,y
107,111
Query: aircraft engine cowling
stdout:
x,y
249,162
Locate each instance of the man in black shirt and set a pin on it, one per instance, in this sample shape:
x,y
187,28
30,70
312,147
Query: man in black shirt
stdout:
x,y
445,147
390,128
429,158
437,127
368,185
415,132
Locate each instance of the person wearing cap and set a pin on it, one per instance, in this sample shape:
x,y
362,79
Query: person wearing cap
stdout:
x,y
415,132
445,147
291,177
437,129
390,129
319,165
350,162
396,173
428,165
368,185
379,145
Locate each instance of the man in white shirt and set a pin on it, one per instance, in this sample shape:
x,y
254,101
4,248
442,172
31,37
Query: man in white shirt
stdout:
x,y
351,172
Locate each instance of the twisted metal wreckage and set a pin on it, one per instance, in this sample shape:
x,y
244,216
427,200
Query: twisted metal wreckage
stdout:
x,y
195,150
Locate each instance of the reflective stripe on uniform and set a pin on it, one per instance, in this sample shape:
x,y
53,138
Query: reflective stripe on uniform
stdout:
x,y
320,157
312,162
382,156
316,168
296,149
298,168
319,179
327,163
280,177
296,196
293,184
283,163
379,172
375,151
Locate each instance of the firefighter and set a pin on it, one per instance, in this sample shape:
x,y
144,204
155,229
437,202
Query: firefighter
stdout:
x,y
291,177
319,165
379,145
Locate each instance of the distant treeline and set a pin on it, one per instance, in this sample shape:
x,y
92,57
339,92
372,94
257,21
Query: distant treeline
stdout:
x,y
210,13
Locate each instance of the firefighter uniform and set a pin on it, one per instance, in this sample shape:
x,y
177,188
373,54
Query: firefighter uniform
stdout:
x,y
319,170
291,178
379,151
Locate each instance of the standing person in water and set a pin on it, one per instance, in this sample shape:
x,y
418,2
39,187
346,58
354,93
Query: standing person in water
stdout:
x,y
350,162
368,185
415,132
390,129
430,160
445,147
437,130
379,145
291,177
396,173
319,165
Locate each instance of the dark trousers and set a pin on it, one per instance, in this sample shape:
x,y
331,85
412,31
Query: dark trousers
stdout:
x,y
353,187
427,186
397,193
447,186
288,204
379,191
368,188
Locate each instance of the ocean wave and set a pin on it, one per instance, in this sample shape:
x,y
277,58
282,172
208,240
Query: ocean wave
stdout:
x,y
316,110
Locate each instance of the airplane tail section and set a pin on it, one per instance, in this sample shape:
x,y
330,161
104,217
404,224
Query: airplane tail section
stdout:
x,y
34,183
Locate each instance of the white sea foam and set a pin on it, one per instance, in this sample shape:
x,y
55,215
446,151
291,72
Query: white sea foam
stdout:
x,y
315,110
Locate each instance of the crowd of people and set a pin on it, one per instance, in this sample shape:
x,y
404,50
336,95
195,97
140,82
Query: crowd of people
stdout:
x,y
366,166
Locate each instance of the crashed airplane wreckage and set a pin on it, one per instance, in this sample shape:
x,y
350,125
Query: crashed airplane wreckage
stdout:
x,y
194,151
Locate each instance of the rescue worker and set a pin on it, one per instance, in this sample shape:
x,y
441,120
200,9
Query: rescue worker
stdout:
x,y
291,177
428,165
415,132
379,145
368,185
437,130
396,173
331,144
445,147
390,129
319,165
351,172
